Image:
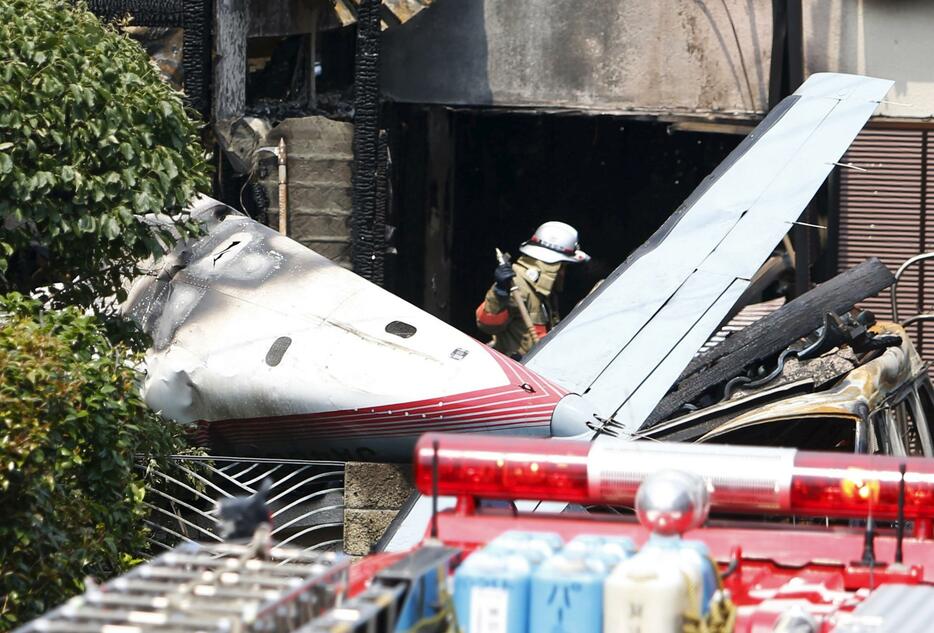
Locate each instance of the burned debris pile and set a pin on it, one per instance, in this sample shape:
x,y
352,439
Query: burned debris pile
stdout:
x,y
712,376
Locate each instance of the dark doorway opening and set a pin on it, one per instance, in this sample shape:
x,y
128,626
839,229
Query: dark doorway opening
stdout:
x,y
466,181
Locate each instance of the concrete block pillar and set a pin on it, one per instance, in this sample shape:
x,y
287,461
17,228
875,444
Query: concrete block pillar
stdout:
x,y
373,495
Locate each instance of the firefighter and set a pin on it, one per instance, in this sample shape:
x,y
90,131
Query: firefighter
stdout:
x,y
537,276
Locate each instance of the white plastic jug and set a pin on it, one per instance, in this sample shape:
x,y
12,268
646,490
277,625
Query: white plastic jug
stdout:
x,y
647,593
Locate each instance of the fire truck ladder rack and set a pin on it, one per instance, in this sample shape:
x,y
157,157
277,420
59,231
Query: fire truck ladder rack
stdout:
x,y
222,587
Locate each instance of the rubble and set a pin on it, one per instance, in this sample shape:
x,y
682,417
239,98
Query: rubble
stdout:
x,y
772,334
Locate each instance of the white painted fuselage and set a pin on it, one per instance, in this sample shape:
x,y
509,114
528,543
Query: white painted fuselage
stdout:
x,y
272,349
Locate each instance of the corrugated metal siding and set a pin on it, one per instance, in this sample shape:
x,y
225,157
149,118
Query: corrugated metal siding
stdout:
x,y
884,212
743,319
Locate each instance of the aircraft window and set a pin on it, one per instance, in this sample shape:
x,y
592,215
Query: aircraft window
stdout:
x,y
277,350
400,329
813,434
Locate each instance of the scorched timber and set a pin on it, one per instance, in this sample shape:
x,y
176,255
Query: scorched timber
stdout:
x,y
773,333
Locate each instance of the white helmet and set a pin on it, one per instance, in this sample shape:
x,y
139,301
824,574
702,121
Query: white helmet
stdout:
x,y
554,242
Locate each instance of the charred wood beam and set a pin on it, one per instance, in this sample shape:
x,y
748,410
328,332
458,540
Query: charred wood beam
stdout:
x,y
786,73
196,54
368,222
194,16
786,69
777,64
381,218
164,13
829,262
773,333
230,51
439,207
801,238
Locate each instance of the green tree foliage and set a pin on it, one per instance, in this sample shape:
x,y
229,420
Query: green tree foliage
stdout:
x,y
90,140
71,424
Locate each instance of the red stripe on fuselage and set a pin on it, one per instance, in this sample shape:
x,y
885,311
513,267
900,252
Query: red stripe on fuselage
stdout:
x,y
246,435
514,400
527,401
270,427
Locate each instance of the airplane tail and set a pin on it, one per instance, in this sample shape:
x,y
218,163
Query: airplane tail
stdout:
x,y
625,345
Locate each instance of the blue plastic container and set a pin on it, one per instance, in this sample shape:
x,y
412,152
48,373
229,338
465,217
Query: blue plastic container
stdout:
x,y
567,593
491,592
611,549
538,546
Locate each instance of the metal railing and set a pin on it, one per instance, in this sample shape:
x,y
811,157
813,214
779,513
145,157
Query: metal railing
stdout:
x,y
893,296
306,499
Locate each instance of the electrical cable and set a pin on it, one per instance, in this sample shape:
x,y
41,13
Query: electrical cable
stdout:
x,y
742,59
255,165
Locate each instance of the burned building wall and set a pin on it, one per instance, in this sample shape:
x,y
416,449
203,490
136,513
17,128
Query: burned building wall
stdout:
x,y
877,38
698,57
468,181
194,17
617,56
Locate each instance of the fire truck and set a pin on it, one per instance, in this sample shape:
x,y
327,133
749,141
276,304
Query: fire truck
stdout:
x,y
637,536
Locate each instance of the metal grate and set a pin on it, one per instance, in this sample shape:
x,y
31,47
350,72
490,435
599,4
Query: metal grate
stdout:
x,y
884,213
221,587
306,499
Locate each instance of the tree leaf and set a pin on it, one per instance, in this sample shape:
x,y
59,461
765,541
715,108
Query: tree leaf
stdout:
x,y
85,127
110,227
79,424
86,224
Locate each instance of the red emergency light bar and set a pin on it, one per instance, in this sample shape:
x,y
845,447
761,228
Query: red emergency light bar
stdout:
x,y
740,478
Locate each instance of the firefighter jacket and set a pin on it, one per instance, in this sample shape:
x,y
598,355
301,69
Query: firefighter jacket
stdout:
x,y
537,283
